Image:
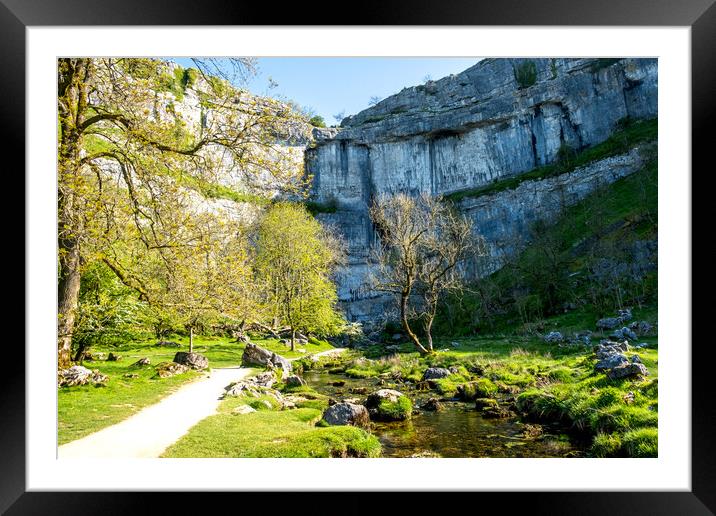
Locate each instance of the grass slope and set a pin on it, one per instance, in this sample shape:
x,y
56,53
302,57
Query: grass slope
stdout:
x,y
85,409
272,433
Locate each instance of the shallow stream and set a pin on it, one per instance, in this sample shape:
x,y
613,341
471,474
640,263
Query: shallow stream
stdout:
x,y
457,431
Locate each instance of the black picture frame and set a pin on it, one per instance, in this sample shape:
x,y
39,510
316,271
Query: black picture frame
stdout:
x,y
700,15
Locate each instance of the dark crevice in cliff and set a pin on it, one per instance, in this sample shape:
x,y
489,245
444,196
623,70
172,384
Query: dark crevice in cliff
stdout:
x,y
344,158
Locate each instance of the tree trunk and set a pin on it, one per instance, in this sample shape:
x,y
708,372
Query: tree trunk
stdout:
x,y
69,224
293,339
68,293
428,333
191,339
404,320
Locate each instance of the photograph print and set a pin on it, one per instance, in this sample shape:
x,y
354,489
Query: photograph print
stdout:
x,y
357,257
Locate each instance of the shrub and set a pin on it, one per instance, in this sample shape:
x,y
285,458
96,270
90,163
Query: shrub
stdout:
x,y
317,121
525,74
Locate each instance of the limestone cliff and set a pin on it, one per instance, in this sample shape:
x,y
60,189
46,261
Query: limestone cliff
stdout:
x,y
471,129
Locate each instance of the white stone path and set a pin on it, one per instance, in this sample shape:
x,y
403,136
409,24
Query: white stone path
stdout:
x,y
153,429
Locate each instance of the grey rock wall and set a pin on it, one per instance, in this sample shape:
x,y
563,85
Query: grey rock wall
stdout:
x,y
465,131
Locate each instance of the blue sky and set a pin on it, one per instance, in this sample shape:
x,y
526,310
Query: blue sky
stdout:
x,y
330,85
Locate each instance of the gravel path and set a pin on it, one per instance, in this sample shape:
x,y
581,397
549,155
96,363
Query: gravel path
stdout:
x,y
153,429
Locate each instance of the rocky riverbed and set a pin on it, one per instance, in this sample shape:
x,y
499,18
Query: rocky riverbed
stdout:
x,y
456,429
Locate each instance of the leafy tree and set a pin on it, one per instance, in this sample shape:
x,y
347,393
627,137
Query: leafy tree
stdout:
x,y
295,257
317,121
108,310
423,241
124,153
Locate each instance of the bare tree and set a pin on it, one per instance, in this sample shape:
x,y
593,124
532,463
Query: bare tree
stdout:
x,y
423,242
340,116
374,100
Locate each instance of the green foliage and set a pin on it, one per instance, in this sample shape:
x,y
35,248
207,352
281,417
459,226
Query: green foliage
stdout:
x,y
606,445
576,260
317,121
480,388
643,442
525,73
109,312
294,260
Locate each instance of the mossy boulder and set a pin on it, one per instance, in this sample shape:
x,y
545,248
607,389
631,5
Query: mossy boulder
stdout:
x,y
389,405
482,388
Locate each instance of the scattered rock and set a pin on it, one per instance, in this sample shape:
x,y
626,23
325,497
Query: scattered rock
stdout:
x,y
455,344
78,375
624,333
168,344
624,315
554,337
629,370
486,403
583,337
265,379
433,404
141,362
167,369
611,361
641,327
397,337
131,375
629,398
641,345
425,455
253,389
496,413
359,390
531,431
635,359
243,409
113,358
609,323
608,347
347,414
256,355
339,383
193,360
389,405
435,373
294,381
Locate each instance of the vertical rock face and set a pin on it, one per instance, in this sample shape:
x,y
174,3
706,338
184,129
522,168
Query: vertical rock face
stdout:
x,y
467,130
